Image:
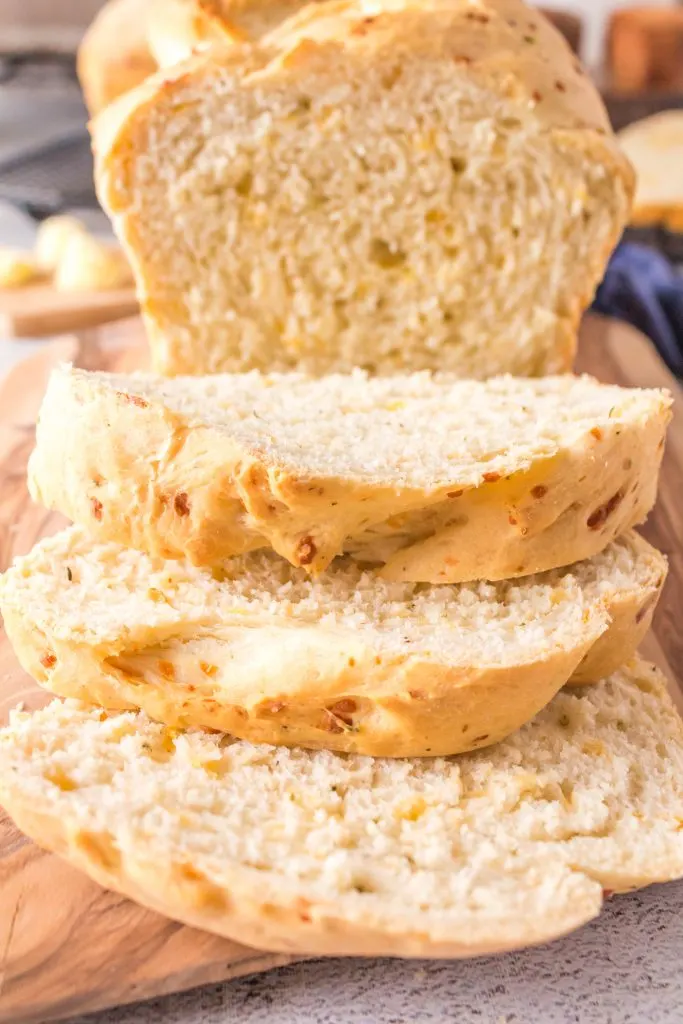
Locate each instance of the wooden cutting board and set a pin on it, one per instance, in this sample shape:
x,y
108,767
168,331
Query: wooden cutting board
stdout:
x,y
68,947
39,310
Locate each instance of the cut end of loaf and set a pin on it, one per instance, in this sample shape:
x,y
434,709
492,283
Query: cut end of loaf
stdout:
x,y
369,177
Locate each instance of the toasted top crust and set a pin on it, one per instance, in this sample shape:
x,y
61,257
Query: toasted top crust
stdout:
x,y
114,55
175,28
437,479
500,42
419,431
325,853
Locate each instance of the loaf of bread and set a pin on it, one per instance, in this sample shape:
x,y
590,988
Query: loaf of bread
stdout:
x,y
397,187
114,55
339,854
655,148
346,662
434,479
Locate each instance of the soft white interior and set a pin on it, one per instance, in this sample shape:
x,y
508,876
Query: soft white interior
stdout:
x,y
417,430
376,207
589,792
111,597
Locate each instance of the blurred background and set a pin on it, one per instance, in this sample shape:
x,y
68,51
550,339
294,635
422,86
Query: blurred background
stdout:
x,y
634,53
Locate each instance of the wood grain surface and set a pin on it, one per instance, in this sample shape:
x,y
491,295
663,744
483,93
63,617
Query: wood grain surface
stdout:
x,y
38,311
66,945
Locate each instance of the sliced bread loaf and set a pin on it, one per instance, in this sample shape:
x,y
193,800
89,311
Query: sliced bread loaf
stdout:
x,y
436,479
339,854
346,662
399,185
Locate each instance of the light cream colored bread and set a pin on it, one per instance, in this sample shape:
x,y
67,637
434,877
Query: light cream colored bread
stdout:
x,y
114,55
338,854
346,662
393,185
655,148
435,479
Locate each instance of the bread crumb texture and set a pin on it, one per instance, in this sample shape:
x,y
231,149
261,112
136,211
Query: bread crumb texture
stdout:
x,y
111,597
420,430
397,186
315,851
436,479
345,661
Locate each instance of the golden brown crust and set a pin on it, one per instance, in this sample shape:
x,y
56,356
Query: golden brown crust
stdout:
x,y
207,497
114,55
316,687
242,908
268,678
176,28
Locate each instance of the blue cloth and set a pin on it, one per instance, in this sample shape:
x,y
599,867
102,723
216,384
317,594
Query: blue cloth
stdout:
x,y
641,287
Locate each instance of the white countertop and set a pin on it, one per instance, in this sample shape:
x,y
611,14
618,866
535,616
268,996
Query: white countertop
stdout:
x,y
624,968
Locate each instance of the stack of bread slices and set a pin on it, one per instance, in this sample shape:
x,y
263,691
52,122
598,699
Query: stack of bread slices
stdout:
x,y
346,654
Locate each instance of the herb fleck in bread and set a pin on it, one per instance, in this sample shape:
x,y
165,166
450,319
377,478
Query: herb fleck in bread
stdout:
x,y
435,479
326,853
346,662
399,186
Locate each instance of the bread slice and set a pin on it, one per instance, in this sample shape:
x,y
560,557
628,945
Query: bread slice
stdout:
x,y
339,854
655,147
399,186
436,479
346,662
